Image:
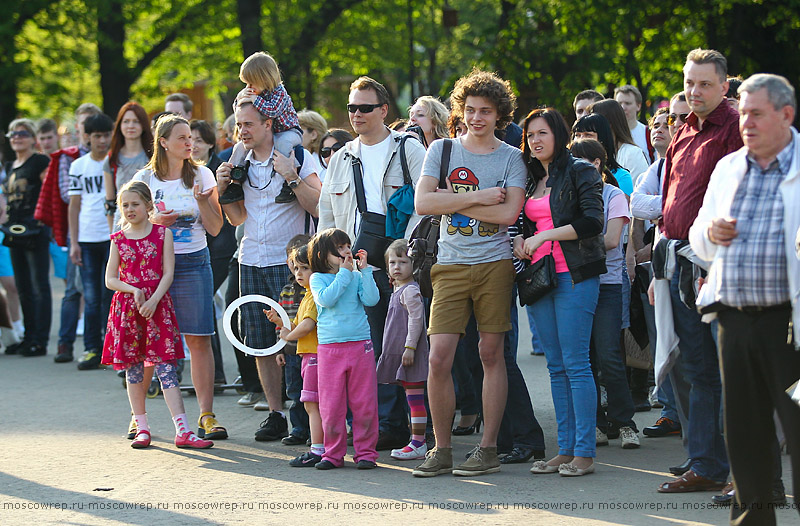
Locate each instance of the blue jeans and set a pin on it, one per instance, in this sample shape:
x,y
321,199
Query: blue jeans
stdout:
x,y
536,343
392,407
564,321
606,358
701,368
294,384
519,427
97,298
32,275
70,306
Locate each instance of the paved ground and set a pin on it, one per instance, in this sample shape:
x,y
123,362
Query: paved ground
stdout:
x,y
64,460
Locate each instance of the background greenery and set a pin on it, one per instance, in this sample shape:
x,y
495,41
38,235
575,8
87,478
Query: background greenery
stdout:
x,y
58,54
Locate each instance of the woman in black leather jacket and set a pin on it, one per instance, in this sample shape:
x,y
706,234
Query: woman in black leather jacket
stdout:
x,y
563,216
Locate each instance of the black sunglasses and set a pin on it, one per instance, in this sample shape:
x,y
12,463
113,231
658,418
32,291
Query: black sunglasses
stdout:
x,y
327,151
672,118
24,134
363,108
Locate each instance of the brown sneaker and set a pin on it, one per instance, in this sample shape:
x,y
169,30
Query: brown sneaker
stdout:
x,y
484,460
438,461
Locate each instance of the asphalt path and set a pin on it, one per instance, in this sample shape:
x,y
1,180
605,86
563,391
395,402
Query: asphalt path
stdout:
x,y
64,460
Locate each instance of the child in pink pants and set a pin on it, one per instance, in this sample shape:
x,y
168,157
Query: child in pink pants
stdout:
x,y
342,286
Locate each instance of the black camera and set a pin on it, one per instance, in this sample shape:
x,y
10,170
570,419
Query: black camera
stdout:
x,y
239,173
235,192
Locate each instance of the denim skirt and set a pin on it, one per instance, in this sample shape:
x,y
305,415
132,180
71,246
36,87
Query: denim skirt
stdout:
x,y
192,293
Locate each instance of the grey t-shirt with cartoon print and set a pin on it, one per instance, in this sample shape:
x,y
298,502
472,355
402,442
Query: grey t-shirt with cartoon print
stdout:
x,y
462,239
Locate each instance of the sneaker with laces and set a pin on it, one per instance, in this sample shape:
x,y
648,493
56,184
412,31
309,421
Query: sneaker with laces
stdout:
x,y
89,360
249,399
663,427
438,461
628,437
189,440
483,461
601,439
274,427
410,452
306,460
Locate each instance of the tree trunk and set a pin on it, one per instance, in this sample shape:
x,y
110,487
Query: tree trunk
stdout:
x,y
249,13
115,76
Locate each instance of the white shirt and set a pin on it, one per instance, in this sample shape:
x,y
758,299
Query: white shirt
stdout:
x,y
632,159
86,181
639,134
373,161
269,225
188,232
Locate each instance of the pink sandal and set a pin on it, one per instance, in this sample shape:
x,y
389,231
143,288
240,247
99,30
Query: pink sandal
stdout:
x,y
141,440
189,440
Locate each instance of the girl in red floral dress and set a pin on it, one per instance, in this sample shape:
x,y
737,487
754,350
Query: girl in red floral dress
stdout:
x,y
142,331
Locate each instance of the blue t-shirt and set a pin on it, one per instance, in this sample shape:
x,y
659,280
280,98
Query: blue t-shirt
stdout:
x,y
340,300
624,180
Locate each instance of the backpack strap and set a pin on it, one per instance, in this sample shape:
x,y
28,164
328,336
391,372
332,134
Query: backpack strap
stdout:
x,y
447,148
358,180
404,161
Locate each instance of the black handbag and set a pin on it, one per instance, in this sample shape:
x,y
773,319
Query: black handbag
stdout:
x,y
537,279
21,234
372,232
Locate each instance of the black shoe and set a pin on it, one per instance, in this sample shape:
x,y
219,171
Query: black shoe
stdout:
x,y
306,460
293,440
90,360
519,455
17,348
468,430
366,464
286,195
273,428
724,498
325,465
233,194
642,405
683,468
662,428
64,355
387,441
430,440
36,350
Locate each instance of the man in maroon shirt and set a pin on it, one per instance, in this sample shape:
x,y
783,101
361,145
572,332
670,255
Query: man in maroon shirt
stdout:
x,y
711,132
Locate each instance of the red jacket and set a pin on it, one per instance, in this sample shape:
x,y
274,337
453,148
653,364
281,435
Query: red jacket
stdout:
x,y
50,208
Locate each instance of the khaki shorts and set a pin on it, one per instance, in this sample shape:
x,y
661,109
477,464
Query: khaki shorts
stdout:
x,y
460,290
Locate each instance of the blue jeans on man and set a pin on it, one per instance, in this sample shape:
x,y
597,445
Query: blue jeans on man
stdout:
x,y
706,446
70,307
97,298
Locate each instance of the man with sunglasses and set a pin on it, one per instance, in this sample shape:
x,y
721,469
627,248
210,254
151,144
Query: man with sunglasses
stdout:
x,y
711,132
377,148
268,227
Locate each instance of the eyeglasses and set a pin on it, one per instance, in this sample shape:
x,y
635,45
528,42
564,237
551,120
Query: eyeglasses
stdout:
x,y
672,118
22,134
363,108
327,151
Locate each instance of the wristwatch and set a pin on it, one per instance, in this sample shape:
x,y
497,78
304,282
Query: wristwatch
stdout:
x,y
294,183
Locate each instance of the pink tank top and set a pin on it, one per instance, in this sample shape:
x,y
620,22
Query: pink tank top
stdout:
x,y
538,211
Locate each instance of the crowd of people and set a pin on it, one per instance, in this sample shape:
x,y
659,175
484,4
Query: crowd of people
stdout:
x,y
675,243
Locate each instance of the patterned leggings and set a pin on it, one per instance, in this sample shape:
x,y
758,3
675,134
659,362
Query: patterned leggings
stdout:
x,y
167,374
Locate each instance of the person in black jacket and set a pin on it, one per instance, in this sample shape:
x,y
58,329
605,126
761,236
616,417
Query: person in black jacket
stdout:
x,y
563,216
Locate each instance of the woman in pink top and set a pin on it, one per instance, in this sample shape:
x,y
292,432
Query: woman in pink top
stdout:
x,y
564,215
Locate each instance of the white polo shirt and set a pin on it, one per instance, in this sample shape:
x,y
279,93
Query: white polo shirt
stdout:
x,y
269,225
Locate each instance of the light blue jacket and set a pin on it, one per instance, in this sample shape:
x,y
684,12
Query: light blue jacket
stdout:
x,y
340,300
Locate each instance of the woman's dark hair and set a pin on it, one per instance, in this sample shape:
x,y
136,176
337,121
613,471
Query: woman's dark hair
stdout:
x,y
341,136
611,110
118,141
590,150
558,126
323,244
206,133
594,122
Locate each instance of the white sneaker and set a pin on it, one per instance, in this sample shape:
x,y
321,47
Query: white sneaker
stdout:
x,y
261,405
9,336
416,453
250,398
601,439
79,328
628,437
654,403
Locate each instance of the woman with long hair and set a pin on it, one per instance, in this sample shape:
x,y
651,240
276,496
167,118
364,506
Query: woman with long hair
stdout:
x,y
131,149
629,155
430,115
563,216
185,199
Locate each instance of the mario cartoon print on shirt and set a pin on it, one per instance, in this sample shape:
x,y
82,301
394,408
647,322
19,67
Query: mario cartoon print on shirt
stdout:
x,y
462,180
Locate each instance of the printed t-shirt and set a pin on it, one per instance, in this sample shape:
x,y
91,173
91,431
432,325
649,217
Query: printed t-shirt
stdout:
x,y
86,181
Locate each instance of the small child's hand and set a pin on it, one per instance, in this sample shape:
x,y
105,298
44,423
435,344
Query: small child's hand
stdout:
x,y
408,357
138,298
280,359
285,333
348,262
274,318
361,259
